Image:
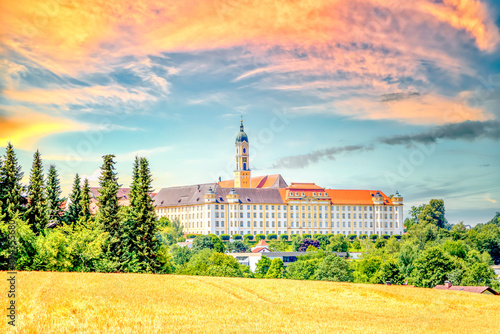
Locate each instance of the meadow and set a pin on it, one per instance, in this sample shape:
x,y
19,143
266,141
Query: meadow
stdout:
x,y
55,302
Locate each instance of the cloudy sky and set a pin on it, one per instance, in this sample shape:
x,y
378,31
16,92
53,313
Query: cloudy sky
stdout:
x,y
355,94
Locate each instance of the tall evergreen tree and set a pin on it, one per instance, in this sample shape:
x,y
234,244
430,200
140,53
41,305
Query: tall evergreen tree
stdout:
x,y
107,215
54,195
135,186
144,231
74,209
85,201
11,188
37,214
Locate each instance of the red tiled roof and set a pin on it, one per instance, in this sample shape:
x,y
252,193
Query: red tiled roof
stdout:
x,y
260,249
474,289
262,243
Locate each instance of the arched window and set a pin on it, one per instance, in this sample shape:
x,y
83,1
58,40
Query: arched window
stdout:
x,y
244,166
244,150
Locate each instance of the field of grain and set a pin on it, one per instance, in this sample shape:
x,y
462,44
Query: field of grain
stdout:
x,y
52,302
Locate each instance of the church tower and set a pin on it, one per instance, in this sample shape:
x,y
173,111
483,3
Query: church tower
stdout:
x,y
242,171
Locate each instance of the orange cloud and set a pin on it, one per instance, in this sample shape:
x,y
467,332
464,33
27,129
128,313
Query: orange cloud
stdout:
x,y
25,127
421,110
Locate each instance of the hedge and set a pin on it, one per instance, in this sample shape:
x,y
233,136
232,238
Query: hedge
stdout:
x,y
272,236
237,237
351,236
225,237
374,236
260,237
306,236
248,237
283,236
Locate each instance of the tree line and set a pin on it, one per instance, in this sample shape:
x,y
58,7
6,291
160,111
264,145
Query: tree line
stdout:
x,y
36,233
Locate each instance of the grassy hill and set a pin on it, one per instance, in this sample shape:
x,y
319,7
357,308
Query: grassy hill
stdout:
x,y
139,303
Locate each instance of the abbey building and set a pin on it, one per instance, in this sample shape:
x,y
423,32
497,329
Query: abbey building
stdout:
x,y
267,204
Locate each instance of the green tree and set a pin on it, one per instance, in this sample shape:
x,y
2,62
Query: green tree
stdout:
x,y
479,274
11,189
433,213
202,242
333,268
389,272
276,269
73,213
54,192
180,255
413,215
107,215
365,269
262,266
219,246
37,214
432,267
302,269
85,201
143,234
237,246
338,243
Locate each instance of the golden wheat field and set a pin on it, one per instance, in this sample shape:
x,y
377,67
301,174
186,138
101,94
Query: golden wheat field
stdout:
x,y
51,302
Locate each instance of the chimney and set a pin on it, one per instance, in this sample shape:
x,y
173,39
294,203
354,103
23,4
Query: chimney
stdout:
x,y
447,284
387,282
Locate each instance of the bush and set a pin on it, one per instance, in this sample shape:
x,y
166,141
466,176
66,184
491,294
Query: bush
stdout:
x,y
248,237
363,236
374,237
329,235
260,237
385,236
398,236
237,237
272,236
306,236
225,237
317,236
306,243
283,236
351,236
191,236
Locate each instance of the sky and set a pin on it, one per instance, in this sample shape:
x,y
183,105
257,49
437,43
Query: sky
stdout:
x,y
349,94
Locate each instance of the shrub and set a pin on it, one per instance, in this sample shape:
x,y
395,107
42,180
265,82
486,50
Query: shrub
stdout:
x,y
225,237
351,236
329,235
317,236
306,243
398,236
374,237
283,236
272,236
248,237
306,236
237,237
191,236
385,236
363,236
260,237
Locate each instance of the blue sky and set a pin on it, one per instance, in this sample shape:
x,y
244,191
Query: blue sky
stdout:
x,y
348,94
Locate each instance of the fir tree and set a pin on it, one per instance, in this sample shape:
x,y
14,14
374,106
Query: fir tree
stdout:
x,y
85,201
74,209
36,214
54,200
144,231
135,186
11,188
108,208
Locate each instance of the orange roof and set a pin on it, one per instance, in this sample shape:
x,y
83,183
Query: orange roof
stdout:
x,y
260,249
304,186
262,243
361,197
264,181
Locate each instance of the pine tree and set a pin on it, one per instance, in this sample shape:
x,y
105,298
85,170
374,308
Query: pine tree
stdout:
x,y
74,209
144,231
85,201
11,188
135,186
108,208
36,214
54,195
